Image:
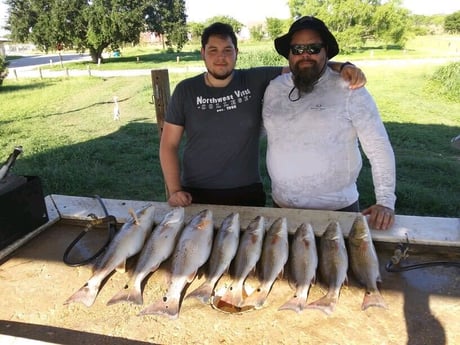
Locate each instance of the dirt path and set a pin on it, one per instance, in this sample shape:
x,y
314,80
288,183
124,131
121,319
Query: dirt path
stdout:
x,y
28,71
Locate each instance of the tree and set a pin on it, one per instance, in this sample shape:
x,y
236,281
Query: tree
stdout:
x,y
257,32
195,29
112,23
427,25
236,25
390,23
168,18
275,27
94,25
3,69
353,22
452,23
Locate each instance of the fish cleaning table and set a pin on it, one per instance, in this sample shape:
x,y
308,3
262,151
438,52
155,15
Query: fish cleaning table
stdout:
x,y
423,304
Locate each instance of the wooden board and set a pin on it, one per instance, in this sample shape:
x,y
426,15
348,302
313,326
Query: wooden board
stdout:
x,y
418,230
422,304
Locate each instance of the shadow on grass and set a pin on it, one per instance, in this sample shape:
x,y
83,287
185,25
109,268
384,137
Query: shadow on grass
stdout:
x,y
69,111
122,165
426,166
157,57
89,106
31,86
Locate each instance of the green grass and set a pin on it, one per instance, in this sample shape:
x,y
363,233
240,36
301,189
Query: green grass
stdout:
x,y
257,53
71,141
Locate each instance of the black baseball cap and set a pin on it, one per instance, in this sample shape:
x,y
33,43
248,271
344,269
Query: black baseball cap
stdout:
x,y
283,43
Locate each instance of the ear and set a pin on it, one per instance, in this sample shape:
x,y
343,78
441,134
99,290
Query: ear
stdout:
x,y
202,53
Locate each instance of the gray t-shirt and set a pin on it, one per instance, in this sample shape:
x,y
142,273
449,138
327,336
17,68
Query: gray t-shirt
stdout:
x,y
222,127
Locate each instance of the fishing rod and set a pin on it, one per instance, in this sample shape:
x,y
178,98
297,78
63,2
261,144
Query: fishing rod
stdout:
x,y
111,228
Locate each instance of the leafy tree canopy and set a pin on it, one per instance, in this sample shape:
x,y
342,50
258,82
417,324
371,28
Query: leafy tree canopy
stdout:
x,y
237,26
353,22
276,27
452,23
95,24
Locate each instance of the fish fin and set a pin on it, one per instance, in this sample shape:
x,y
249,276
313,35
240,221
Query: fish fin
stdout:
x,y
295,303
134,215
313,280
326,304
292,284
165,307
202,293
127,294
121,268
373,299
191,277
281,274
86,295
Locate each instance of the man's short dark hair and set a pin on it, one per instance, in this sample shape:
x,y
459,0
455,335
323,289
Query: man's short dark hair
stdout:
x,y
219,29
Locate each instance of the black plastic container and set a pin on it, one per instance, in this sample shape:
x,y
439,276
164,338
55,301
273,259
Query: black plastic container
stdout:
x,y
22,209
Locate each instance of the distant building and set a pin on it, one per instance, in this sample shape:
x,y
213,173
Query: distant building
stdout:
x,y
2,46
150,37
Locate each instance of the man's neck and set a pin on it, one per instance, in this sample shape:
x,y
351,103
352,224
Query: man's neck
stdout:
x,y
215,82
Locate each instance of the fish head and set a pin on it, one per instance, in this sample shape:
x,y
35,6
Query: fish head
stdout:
x,y
257,225
278,227
359,230
231,222
333,231
176,215
203,220
146,212
305,233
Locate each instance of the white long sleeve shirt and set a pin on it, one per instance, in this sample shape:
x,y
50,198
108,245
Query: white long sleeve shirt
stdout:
x,y
313,155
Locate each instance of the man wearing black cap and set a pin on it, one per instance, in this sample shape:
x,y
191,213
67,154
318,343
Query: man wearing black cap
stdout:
x,y
314,121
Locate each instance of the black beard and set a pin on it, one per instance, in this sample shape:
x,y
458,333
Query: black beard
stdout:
x,y
305,78
221,77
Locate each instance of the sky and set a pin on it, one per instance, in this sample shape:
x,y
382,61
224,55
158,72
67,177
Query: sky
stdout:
x,y
254,11
250,11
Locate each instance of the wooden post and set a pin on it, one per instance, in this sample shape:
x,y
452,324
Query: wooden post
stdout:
x,y
160,97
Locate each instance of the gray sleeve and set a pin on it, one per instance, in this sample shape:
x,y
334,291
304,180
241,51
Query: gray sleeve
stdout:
x,y
376,145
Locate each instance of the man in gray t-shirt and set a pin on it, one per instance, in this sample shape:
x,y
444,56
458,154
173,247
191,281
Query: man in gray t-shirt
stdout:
x,y
220,113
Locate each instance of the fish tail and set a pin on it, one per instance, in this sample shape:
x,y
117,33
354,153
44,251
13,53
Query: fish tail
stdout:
x,y
296,304
86,295
373,299
326,304
168,307
133,295
256,299
202,293
233,296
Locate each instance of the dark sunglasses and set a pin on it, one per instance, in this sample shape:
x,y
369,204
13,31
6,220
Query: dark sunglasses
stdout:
x,y
312,49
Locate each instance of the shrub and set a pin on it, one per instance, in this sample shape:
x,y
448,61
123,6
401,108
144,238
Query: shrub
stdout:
x,y
446,81
3,69
261,58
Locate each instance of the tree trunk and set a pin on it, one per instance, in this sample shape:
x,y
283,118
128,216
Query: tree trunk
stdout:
x,y
96,54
